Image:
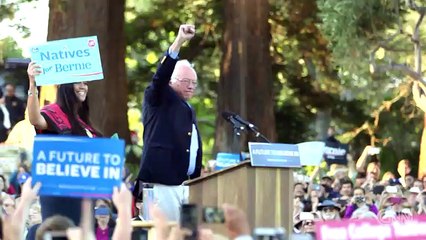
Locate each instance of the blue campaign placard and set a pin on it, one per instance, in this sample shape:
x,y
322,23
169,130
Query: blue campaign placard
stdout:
x,y
68,61
274,155
77,166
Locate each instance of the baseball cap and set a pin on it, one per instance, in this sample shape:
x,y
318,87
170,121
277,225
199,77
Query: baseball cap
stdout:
x,y
415,190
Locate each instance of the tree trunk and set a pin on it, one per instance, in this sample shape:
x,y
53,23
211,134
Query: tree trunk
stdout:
x,y
245,85
105,19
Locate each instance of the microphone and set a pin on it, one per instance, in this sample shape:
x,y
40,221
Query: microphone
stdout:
x,y
233,118
230,118
240,124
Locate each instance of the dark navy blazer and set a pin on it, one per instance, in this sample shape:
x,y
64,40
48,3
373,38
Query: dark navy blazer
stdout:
x,y
167,121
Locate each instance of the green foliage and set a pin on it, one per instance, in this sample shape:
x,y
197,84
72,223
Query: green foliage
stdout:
x,y
355,27
9,48
150,31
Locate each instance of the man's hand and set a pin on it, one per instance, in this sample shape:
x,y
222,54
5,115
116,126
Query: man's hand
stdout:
x,y
235,221
186,33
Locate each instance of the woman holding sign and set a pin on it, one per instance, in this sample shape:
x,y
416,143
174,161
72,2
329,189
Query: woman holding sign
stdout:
x,y
70,116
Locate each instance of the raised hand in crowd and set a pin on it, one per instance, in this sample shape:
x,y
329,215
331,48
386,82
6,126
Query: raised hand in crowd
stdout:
x,y
13,226
122,199
235,221
161,227
85,231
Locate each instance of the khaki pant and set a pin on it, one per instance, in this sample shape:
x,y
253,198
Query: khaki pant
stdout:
x,y
170,198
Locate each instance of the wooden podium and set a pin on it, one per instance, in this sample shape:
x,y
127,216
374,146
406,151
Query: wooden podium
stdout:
x,y
265,194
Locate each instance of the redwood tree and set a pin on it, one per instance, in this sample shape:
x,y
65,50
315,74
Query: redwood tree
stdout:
x,y
246,84
105,19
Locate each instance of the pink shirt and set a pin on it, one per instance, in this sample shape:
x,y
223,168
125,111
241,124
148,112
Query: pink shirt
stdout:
x,y
102,234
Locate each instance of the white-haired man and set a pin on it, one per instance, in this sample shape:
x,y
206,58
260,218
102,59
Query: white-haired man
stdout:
x,y
172,145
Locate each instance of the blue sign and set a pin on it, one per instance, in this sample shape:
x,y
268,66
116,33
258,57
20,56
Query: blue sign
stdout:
x,y
225,160
68,61
274,155
77,166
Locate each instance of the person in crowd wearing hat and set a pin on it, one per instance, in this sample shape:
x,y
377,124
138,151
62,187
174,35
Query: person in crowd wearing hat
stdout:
x,y
304,222
358,201
329,210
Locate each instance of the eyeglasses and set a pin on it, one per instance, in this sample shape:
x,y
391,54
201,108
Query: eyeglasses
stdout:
x,y
187,81
309,223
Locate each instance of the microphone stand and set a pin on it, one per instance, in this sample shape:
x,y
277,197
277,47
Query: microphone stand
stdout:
x,y
237,128
259,135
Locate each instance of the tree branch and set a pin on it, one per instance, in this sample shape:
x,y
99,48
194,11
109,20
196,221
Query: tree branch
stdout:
x,y
415,38
369,128
417,46
413,6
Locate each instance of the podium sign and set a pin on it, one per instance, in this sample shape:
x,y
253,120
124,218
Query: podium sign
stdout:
x,y
274,155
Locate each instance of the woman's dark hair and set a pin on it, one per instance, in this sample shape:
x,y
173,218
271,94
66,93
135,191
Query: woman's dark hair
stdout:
x,y
73,108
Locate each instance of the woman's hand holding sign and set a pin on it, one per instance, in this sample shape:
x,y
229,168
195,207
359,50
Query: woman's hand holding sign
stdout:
x,y
33,105
33,71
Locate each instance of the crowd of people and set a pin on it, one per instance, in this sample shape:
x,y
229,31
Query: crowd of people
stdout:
x,y
359,194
